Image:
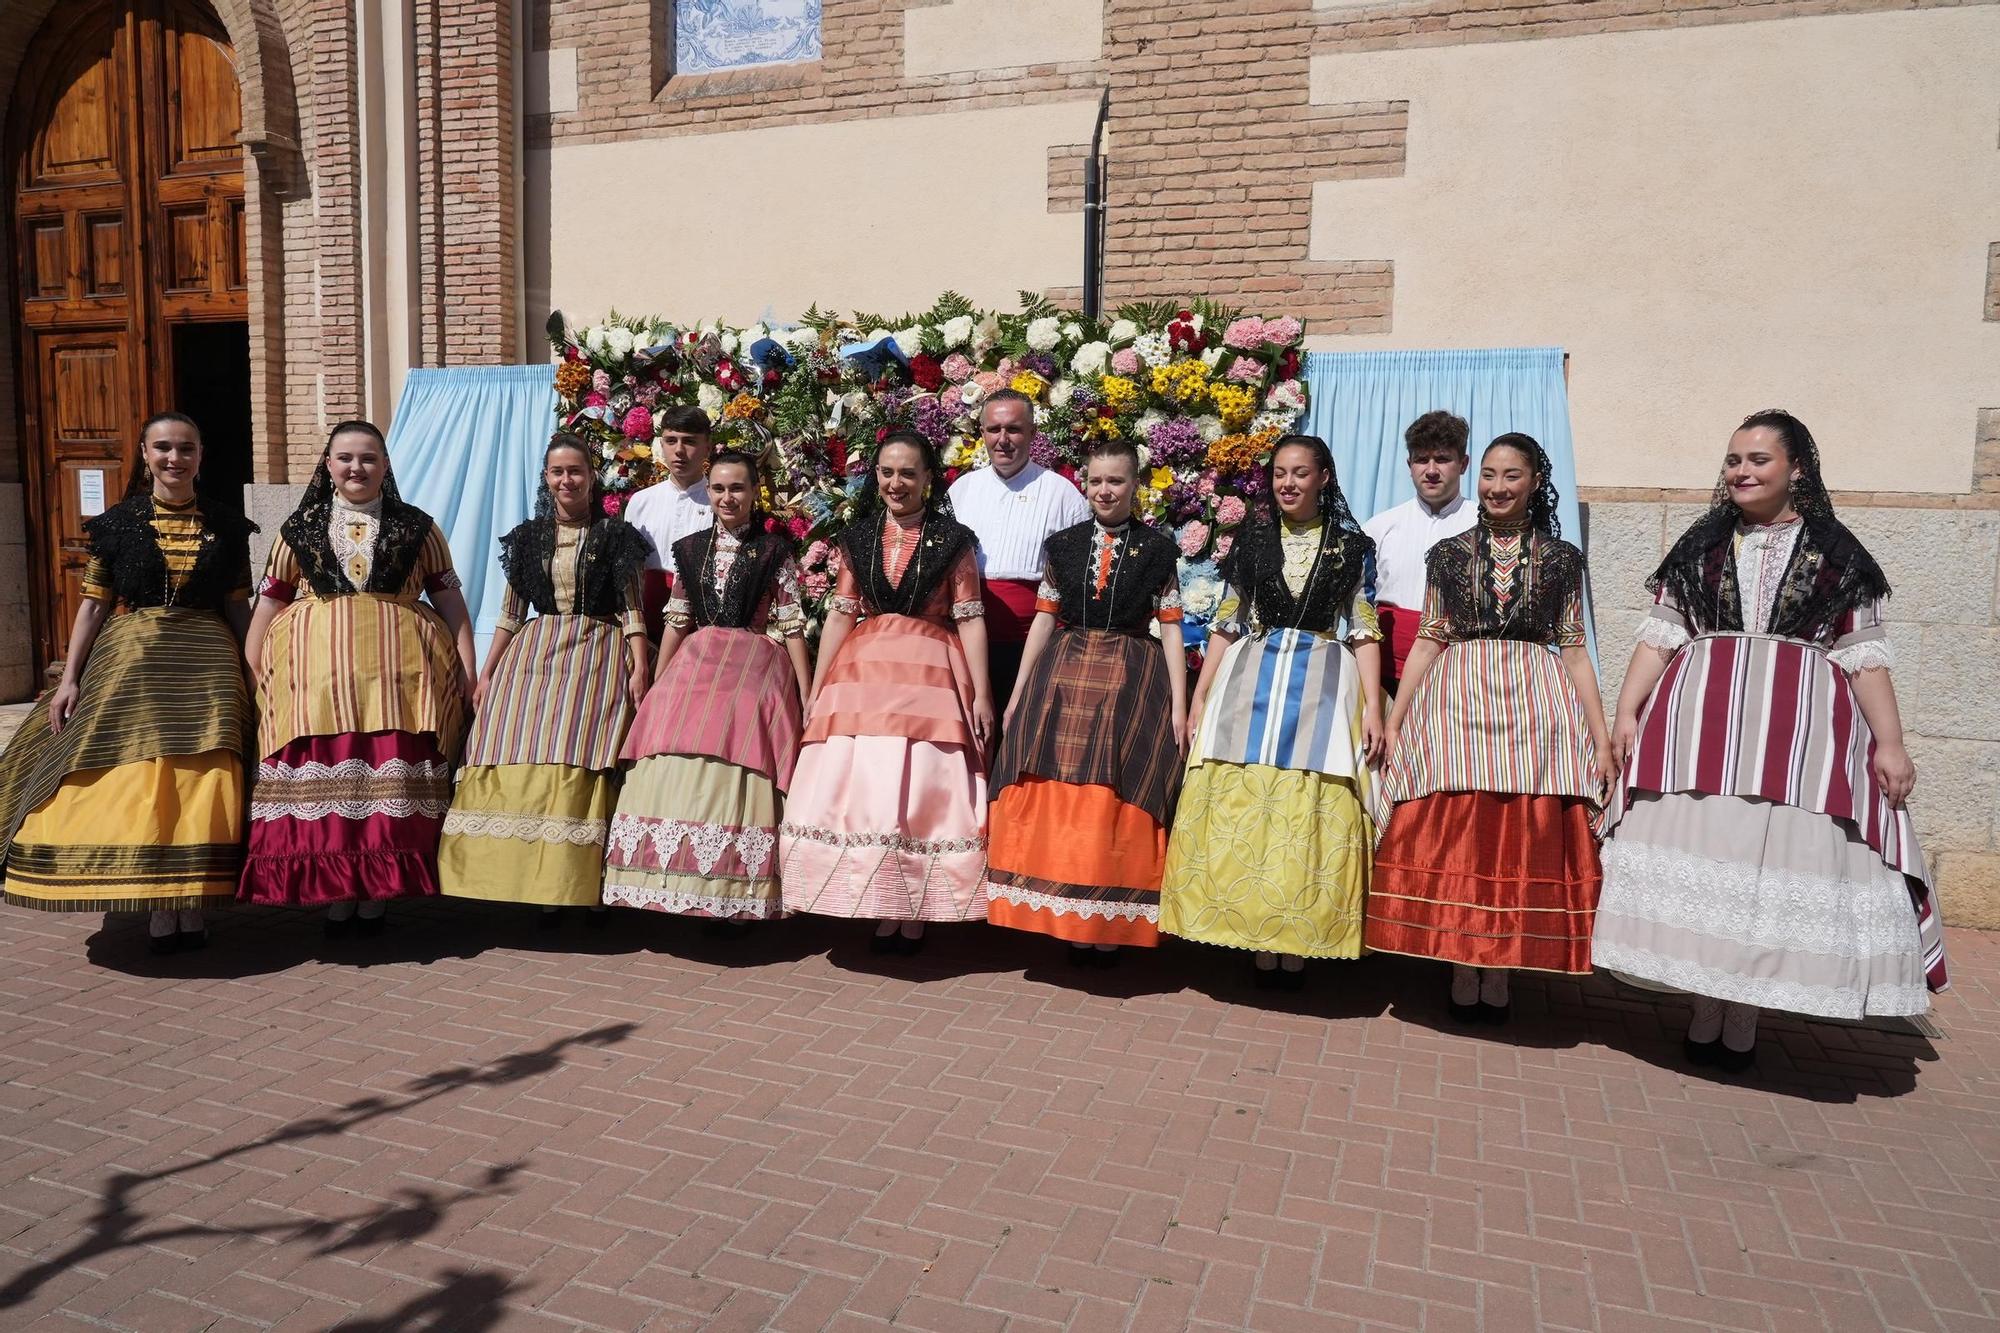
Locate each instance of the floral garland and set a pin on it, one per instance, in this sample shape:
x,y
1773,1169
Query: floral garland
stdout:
x,y
1203,391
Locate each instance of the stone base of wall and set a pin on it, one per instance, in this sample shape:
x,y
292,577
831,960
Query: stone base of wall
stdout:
x,y
17,631
1944,567
268,504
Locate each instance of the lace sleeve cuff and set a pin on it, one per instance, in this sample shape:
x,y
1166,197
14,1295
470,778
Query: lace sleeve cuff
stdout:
x,y
679,614
846,606
1854,658
786,623
1657,631
445,580
973,610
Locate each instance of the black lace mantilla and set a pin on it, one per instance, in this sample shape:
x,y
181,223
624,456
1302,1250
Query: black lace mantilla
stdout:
x,y
1461,569
613,551
942,540
123,538
1255,568
1143,561
399,540
1830,574
757,560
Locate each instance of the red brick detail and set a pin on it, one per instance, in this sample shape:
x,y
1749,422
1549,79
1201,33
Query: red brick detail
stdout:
x,y
1066,177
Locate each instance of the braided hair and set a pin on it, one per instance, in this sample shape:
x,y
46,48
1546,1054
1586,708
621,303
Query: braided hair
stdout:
x,y
1542,502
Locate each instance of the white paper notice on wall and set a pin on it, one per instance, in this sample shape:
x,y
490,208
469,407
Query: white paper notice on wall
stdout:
x,y
89,492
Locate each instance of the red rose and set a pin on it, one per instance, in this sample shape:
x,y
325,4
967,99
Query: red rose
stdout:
x,y
1288,364
927,372
1106,411
1184,316
572,353
836,453
881,434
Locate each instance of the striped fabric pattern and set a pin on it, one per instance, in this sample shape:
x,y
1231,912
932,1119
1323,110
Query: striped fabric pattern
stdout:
x,y
360,663
728,694
1286,699
1768,718
557,697
1495,715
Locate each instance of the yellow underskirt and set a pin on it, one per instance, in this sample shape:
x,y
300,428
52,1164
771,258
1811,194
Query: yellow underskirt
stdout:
x,y
527,833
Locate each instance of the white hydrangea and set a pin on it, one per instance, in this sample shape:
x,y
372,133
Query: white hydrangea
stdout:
x,y
1210,427
910,341
753,335
729,343
1091,359
1153,349
956,332
1061,392
1043,334
618,342
1072,331
800,339
1201,594
1147,420
710,399
1122,332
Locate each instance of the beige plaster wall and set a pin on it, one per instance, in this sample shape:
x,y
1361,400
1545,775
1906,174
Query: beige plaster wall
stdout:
x,y
965,35
1711,220
872,214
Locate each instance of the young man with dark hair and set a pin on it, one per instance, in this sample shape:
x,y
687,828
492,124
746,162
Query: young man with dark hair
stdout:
x,y
1436,445
675,506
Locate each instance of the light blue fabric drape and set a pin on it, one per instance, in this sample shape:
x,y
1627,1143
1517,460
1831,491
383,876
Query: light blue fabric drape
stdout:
x,y
466,445
1362,401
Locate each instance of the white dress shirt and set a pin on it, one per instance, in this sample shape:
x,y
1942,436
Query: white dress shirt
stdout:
x,y
1404,536
1013,516
666,513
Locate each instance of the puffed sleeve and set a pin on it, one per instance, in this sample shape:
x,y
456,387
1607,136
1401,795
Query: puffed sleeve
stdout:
x,y
1232,613
434,565
846,598
281,573
1861,640
966,603
1434,624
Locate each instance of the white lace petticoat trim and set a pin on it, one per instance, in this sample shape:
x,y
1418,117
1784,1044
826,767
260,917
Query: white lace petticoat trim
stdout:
x,y
691,904
354,808
1895,1000
524,828
397,770
893,841
1085,908
1665,635
709,841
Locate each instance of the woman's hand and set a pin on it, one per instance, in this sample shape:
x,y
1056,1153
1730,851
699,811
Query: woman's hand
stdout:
x,y
1373,739
635,685
1894,771
1191,724
1007,718
1624,736
1184,729
467,689
479,694
805,700
62,703
1392,737
982,719
1607,767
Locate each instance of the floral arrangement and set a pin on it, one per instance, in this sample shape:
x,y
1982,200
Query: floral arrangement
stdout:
x,y
1203,391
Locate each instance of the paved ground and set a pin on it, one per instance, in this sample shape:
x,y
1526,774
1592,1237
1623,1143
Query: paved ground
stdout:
x,y
470,1124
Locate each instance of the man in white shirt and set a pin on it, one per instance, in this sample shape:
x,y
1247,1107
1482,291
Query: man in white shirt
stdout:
x,y
1436,443
1012,507
671,509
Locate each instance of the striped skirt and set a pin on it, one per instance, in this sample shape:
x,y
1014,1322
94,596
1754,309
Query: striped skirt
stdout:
x,y
1086,781
711,754
534,799
359,664
138,802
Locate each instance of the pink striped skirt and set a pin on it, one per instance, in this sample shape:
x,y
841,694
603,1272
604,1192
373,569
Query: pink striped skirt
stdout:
x,y
728,694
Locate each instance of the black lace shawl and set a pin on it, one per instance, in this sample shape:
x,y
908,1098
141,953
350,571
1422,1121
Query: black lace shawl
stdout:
x,y
757,561
123,538
1143,561
1461,570
942,540
613,550
1830,574
1255,568
399,540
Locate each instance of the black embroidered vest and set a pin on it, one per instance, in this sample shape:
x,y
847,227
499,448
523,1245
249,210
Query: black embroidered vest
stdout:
x,y
1144,561
124,539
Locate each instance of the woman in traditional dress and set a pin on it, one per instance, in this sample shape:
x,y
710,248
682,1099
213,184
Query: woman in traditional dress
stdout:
x,y
1090,758
124,791
540,777
1498,753
1760,855
711,753
1275,838
361,694
886,817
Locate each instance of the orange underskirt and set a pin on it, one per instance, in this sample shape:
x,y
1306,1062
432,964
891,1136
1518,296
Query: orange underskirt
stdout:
x,y
1072,841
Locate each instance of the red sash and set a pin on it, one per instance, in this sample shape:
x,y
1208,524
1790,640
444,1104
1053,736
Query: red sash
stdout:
x,y
1010,608
1399,632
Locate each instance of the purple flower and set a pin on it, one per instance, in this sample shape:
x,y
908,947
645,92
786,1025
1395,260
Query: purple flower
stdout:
x,y
1041,363
1043,451
1176,442
1084,399
930,416
1182,502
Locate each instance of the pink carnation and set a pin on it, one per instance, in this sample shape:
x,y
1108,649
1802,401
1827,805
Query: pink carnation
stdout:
x,y
815,583
1205,484
638,424
797,526
1283,332
1230,510
594,399
613,503
1244,370
989,380
1246,334
957,368
600,380
1125,361
1193,537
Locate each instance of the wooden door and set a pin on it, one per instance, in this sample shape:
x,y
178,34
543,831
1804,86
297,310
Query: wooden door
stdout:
x,y
126,206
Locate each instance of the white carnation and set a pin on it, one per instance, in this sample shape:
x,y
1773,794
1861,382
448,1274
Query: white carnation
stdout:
x,y
910,341
1091,359
1145,456
711,399
593,341
1210,427
1153,349
957,332
1043,334
1122,332
1060,393
729,343
985,334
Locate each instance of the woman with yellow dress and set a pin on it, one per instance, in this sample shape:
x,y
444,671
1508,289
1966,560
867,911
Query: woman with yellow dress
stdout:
x,y
124,790
1274,841
567,667
361,694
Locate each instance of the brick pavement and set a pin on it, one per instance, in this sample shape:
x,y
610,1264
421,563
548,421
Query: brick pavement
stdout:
x,y
469,1124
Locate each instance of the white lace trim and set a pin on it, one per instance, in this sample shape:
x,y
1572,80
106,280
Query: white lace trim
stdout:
x,y
356,808
692,904
846,606
525,828
894,841
709,841
1793,997
1659,632
1858,657
400,770
967,610
1077,907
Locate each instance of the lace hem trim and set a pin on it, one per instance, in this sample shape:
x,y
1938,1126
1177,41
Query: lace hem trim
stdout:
x,y
1793,997
1657,632
525,828
709,842
394,807
1084,908
893,841
399,770
692,904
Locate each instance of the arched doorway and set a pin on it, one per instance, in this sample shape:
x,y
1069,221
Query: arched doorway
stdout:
x,y
125,200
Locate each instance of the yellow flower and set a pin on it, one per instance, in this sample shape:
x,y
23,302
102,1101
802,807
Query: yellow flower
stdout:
x,y
1185,382
1028,382
741,406
642,451
1120,394
1235,404
1162,478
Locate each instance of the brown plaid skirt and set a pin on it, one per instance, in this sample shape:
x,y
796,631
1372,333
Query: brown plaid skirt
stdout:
x,y
1096,709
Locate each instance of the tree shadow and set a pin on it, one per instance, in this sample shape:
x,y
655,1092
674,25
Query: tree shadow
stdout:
x,y
117,1224
466,1301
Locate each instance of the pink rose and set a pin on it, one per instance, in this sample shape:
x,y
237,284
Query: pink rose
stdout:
x,y
1245,335
600,380
613,503
1283,332
1193,537
958,368
638,424
1229,511
1125,361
